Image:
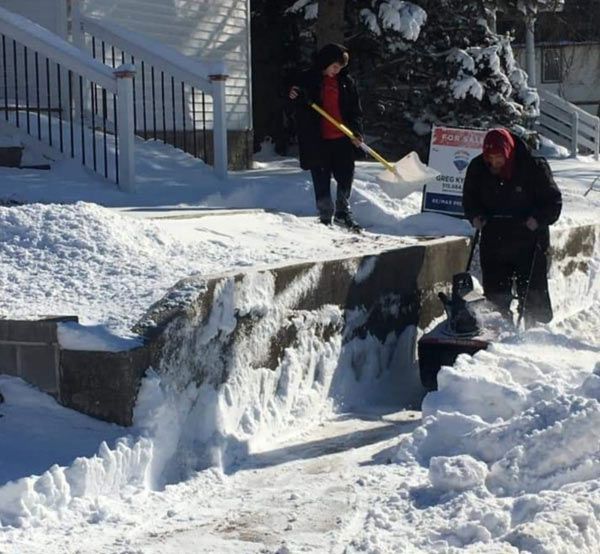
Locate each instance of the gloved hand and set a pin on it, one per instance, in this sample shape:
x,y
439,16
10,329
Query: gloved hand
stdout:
x,y
479,222
357,141
532,223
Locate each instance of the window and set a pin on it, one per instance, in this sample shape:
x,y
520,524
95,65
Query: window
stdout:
x,y
552,70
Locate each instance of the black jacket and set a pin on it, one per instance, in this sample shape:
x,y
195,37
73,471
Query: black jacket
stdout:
x,y
531,192
308,121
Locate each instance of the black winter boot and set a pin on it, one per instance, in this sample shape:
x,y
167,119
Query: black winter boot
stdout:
x,y
345,219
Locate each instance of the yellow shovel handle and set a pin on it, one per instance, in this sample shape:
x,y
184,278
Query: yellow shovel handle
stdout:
x,y
333,121
350,134
379,158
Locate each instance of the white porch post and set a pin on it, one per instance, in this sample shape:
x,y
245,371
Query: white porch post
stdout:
x,y
574,132
530,49
125,128
62,18
218,82
76,25
78,39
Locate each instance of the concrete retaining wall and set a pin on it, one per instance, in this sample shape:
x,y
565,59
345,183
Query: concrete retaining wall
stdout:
x,y
30,350
207,326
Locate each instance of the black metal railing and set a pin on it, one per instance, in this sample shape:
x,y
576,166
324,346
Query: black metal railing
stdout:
x,y
174,113
50,101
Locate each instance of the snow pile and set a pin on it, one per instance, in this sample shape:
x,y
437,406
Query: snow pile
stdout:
x,y
549,149
456,473
509,449
266,152
61,260
8,140
238,399
507,458
79,487
177,432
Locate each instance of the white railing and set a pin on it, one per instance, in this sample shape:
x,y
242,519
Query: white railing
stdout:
x,y
569,125
43,83
169,89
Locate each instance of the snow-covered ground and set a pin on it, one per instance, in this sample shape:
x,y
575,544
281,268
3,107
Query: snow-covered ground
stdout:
x,y
503,458
72,251
109,255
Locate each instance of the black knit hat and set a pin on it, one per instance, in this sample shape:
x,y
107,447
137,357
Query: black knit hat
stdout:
x,y
330,53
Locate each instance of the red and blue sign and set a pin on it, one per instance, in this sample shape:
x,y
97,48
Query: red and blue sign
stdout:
x,y
450,152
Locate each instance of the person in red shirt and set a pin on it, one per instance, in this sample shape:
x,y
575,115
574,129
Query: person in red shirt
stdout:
x,y
324,150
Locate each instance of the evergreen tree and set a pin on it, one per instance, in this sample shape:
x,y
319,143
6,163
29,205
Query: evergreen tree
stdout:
x,y
430,62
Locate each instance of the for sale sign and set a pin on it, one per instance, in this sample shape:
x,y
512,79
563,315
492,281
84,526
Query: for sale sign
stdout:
x,y
450,152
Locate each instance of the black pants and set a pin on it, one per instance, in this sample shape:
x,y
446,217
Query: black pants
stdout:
x,y
521,257
338,160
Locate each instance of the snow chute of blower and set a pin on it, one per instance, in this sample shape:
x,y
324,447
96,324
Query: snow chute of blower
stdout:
x,y
459,333
409,172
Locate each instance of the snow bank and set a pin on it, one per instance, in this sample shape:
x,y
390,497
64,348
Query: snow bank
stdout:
x,y
112,472
517,426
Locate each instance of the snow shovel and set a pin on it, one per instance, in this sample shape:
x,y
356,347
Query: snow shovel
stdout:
x,y
408,171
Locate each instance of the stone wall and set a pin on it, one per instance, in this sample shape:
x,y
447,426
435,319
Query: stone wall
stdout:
x,y
208,327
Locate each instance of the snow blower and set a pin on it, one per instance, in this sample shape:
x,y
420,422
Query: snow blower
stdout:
x,y
459,333
408,171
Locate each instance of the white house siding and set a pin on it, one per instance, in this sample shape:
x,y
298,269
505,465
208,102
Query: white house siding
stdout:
x,y
580,83
47,13
53,17
202,29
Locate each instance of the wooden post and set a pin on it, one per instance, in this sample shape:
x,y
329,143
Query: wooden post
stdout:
x,y
126,133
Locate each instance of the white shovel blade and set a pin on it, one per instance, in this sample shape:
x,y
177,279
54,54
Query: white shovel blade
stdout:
x,y
412,175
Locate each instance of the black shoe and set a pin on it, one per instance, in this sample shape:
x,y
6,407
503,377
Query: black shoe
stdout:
x,y
346,220
325,220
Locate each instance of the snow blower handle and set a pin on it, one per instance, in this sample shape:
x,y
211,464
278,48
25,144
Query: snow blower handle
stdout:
x,y
364,147
523,299
474,242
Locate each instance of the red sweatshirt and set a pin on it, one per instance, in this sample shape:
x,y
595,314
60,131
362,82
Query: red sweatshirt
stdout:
x,y
330,97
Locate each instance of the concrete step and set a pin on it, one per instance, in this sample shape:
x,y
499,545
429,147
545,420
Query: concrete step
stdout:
x,y
99,383
10,156
14,153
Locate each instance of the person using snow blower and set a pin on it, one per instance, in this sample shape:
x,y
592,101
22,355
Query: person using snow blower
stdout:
x,y
323,148
512,198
